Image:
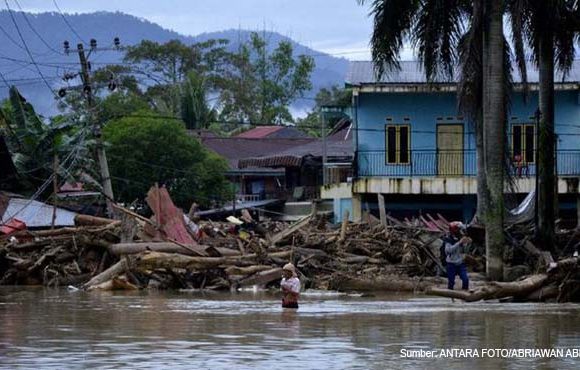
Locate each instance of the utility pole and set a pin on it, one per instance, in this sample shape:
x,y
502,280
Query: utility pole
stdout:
x,y
323,133
101,155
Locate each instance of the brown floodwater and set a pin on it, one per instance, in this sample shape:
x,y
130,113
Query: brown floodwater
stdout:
x,y
46,328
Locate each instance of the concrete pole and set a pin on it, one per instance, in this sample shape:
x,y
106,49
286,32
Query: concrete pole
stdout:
x,y
101,155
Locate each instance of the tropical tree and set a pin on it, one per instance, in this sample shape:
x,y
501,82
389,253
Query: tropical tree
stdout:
x,y
153,149
334,96
494,117
550,30
195,110
165,67
261,84
446,34
35,142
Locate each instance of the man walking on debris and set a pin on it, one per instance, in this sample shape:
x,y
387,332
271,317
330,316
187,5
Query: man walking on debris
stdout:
x,y
455,247
290,286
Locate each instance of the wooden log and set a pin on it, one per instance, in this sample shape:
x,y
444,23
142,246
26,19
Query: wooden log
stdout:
x,y
114,284
382,210
392,283
262,278
494,290
361,259
544,293
277,238
310,252
135,248
221,252
113,271
86,220
155,260
344,226
236,270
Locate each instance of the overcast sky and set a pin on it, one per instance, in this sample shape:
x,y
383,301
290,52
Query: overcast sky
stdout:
x,y
339,27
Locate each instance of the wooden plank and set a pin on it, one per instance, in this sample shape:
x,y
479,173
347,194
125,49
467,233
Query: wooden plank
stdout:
x,y
291,230
382,210
262,278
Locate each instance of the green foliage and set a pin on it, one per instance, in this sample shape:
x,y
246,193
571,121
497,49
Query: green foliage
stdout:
x,y
168,65
150,149
34,143
119,105
261,85
195,111
335,96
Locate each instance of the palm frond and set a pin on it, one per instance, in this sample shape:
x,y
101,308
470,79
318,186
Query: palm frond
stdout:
x,y
437,30
392,22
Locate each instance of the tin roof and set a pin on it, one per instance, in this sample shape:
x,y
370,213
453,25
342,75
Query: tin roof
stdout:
x,y
278,132
36,214
234,149
338,146
411,72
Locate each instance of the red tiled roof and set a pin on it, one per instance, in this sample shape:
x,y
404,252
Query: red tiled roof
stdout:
x,y
260,132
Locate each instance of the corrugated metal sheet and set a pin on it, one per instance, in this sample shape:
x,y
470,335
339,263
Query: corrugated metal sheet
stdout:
x,y
411,72
36,214
235,148
259,132
278,132
338,145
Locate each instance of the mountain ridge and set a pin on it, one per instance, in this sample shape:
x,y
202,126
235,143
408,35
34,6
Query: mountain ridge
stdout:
x,y
17,67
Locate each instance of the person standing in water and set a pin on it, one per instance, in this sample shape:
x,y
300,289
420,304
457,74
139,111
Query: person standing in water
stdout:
x,y
290,286
455,247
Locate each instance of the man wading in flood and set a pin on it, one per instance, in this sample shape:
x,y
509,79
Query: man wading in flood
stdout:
x,y
455,245
290,286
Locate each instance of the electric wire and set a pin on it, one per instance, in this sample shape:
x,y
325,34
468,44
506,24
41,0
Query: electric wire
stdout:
x,y
35,31
27,49
67,22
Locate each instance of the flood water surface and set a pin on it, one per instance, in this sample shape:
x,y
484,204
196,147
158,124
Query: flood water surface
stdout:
x,y
42,328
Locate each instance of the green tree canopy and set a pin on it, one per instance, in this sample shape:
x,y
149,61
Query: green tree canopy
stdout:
x,y
148,149
334,96
261,85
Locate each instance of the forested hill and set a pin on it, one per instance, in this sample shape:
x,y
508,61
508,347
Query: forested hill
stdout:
x,y
17,68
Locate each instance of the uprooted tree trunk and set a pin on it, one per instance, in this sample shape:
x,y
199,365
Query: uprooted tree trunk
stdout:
x,y
561,281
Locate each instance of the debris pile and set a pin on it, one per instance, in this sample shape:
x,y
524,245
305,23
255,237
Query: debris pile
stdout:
x,y
172,251
166,251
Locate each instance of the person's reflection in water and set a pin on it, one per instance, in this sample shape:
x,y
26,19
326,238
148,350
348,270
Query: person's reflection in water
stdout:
x,y
290,322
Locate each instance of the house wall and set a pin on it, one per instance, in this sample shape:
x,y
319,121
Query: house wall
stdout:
x,y
423,111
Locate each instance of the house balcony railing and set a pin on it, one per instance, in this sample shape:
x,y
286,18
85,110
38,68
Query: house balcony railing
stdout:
x,y
452,163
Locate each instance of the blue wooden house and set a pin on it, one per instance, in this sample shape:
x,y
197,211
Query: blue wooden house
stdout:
x,y
413,147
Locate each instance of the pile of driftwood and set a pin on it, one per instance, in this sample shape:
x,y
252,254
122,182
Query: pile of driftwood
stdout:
x,y
166,252
134,252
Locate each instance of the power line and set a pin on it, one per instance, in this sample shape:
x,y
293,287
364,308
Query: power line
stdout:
x,y
34,30
67,22
27,49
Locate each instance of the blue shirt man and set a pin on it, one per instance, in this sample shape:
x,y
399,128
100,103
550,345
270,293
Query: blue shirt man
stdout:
x,y
455,245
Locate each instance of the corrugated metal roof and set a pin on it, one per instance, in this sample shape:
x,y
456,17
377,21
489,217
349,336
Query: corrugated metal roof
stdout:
x,y
282,132
338,145
36,214
259,132
411,72
235,148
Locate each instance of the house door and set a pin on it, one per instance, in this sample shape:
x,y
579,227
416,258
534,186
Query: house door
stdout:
x,y
450,149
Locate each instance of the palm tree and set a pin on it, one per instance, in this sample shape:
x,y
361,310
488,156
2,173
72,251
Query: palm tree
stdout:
x,y
446,34
195,110
550,28
494,115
